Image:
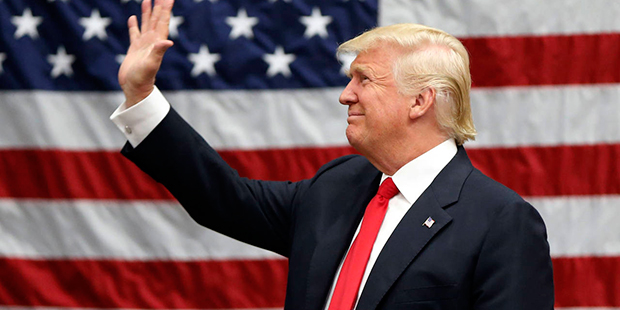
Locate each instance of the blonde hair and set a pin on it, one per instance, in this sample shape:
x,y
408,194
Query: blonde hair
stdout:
x,y
432,59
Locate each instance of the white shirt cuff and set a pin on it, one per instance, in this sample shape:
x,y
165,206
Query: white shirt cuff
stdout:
x,y
137,121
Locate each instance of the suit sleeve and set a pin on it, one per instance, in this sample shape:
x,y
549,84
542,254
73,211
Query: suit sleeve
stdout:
x,y
514,270
255,212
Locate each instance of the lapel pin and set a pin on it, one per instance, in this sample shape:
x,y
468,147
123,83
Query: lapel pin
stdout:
x,y
429,222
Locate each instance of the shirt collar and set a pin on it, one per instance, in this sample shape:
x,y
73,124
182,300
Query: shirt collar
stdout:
x,y
413,178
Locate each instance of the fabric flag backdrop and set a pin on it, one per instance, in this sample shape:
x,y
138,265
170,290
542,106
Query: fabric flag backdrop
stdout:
x,y
80,227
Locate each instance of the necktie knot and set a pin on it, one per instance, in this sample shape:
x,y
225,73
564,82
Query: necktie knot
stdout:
x,y
388,189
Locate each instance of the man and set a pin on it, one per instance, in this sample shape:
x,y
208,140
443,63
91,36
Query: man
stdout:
x,y
437,235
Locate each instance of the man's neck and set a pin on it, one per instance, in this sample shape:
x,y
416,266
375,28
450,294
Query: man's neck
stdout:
x,y
392,159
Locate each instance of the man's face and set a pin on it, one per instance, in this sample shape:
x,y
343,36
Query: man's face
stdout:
x,y
378,114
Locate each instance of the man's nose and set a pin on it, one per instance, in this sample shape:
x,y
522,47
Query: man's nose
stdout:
x,y
348,95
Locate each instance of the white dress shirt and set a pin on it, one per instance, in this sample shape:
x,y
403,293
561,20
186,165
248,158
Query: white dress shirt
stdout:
x,y
411,179
139,120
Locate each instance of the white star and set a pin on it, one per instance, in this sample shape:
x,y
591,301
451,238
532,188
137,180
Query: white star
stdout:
x,y
2,58
95,25
61,62
241,25
279,62
204,61
316,24
120,58
26,24
173,26
345,60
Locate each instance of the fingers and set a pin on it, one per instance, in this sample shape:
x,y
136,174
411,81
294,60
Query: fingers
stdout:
x,y
146,14
155,16
168,4
164,19
134,31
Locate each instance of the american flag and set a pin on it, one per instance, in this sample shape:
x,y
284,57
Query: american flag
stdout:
x,y
81,227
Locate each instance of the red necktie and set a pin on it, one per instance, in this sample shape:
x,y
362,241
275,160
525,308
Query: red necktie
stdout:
x,y
350,278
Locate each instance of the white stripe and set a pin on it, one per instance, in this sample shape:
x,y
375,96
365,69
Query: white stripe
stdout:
x,y
500,18
227,119
579,226
140,230
526,116
103,230
510,116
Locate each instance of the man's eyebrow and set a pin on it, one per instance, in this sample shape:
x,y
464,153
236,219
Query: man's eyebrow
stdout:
x,y
359,69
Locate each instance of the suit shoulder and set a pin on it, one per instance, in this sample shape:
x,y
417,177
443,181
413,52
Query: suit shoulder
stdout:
x,y
480,186
346,162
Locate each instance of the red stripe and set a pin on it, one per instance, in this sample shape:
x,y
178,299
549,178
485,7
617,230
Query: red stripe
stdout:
x,y
531,171
579,282
71,174
544,60
143,285
587,282
59,174
553,171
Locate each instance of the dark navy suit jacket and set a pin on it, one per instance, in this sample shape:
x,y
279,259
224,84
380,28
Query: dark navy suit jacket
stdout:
x,y
487,249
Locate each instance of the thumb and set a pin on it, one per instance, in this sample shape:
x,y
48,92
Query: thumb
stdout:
x,y
160,49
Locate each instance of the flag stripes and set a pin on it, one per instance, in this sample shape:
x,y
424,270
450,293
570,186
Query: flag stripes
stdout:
x,y
77,283
587,281
478,18
533,60
101,229
576,114
143,230
533,171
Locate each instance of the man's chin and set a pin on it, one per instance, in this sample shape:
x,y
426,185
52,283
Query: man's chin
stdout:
x,y
353,138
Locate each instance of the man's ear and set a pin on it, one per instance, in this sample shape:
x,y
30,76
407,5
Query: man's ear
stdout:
x,y
422,103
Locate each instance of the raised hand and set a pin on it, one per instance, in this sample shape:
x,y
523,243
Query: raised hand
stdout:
x,y
146,50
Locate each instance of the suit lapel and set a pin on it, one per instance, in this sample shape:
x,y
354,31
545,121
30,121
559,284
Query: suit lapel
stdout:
x,y
334,243
411,236
405,243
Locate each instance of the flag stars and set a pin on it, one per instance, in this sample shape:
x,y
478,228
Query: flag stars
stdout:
x,y
120,58
95,26
241,25
203,61
61,62
26,24
173,26
316,23
279,62
345,60
2,59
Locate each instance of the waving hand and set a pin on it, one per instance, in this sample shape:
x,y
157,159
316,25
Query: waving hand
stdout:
x,y
148,44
